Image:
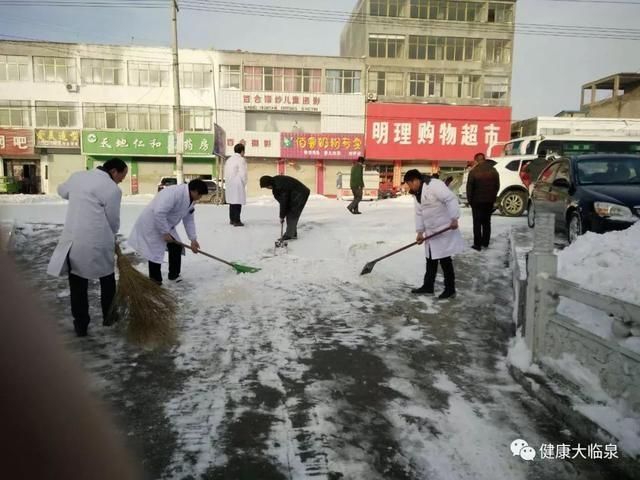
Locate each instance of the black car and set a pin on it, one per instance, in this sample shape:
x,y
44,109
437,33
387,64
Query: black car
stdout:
x,y
596,193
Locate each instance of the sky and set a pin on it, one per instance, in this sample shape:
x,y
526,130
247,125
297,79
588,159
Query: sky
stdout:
x,y
547,71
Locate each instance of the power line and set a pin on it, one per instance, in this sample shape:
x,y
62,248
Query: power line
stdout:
x,y
308,14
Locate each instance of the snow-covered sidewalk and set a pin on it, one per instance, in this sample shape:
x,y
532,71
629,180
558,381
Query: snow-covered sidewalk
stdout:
x,y
308,370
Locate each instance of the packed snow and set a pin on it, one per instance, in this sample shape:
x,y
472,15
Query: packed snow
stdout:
x,y
307,369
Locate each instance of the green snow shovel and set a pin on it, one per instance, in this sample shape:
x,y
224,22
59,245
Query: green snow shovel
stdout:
x,y
236,266
368,268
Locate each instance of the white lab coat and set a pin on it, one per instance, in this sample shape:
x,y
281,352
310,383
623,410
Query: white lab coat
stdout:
x,y
438,206
170,206
90,227
235,177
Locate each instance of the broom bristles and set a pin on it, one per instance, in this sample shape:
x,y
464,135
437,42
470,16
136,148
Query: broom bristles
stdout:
x,y
148,309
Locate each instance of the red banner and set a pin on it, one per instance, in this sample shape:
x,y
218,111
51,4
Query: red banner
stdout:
x,y
433,132
321,146
16,142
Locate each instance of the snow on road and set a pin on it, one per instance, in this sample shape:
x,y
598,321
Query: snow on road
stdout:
x,y
309,370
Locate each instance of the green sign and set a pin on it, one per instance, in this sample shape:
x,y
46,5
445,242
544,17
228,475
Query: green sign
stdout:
x,y
145,144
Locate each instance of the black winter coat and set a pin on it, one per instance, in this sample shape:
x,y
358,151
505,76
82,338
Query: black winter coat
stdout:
x,y
291,194
483,184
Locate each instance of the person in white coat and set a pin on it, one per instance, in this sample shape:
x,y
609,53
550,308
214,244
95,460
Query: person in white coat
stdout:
x,y
235,180
86,249
155,230
436,208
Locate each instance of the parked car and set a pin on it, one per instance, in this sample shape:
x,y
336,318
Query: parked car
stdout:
x,y
596,193
210,197
167,182
513,196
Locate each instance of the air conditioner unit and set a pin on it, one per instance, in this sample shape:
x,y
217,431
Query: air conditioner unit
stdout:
x,y
372,97
72,87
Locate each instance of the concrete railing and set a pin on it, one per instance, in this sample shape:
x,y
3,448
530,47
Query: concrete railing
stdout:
x,y
550,335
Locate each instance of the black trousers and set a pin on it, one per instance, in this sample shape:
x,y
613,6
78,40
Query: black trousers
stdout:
x,y
481,213
79,287
175,262
234,213
357,198
447,270
299,200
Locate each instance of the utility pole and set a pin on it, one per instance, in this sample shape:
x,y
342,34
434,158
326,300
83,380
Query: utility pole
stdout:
x,y
177,117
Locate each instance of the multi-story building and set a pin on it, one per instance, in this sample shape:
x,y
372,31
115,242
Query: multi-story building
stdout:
x,y
615,96
64,107
425,52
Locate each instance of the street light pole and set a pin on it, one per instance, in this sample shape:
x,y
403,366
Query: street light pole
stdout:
x,y
177,117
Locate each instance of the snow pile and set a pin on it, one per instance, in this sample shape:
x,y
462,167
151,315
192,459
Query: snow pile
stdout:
x,y
612,415
22,199
606,263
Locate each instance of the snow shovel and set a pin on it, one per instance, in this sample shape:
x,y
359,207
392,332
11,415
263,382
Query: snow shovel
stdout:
x,y
369,266
236,266
280,243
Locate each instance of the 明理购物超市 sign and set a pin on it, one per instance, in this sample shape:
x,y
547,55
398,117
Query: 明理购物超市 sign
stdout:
x,y
149,144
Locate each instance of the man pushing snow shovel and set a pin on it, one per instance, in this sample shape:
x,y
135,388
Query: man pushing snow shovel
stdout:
x,y
155,230
436,208
292,196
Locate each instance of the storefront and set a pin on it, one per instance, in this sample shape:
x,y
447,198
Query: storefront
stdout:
x,y
60,156
431,137
150,155
316,159
21,167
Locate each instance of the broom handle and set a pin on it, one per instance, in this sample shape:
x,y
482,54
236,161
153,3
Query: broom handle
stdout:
x,y
206,254
411,245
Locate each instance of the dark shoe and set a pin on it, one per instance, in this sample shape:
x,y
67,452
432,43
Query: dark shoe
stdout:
x,y
422,290
350,209
357,212
111,319
178,279
289,237
238,224
477,247
444,295
80,330
485,245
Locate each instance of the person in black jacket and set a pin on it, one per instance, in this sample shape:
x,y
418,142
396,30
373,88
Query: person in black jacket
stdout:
x,y
292,196
483,185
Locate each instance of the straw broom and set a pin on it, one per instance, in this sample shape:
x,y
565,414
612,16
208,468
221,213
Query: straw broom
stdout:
x,y
148,309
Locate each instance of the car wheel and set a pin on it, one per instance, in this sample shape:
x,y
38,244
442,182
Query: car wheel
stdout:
x,y
531,215
513,203
574,227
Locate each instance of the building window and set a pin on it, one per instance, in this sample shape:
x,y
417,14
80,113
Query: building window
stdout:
x,y
55,69
272,79
195,75
56,114
425,85
385,46
453,49
343,81
385,83
102,72
146,74
126,117
498,51
14,68
230,77
384,8
496,89
462,86
417,47
446,10
15,113
197,119
500,13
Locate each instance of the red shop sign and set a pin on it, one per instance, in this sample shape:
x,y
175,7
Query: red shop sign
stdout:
x,y
16,142
321,146
434,132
